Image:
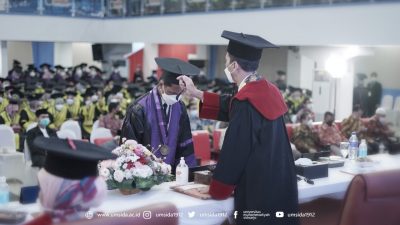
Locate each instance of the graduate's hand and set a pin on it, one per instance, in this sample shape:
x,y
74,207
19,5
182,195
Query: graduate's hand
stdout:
x,y
189,88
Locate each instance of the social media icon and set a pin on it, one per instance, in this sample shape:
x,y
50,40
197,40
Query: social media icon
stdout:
x,y
191,214
146,215
235,214
279,214
89,215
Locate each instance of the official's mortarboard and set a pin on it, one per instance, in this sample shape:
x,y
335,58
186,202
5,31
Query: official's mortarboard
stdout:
x,y
71,159
246,46
173,68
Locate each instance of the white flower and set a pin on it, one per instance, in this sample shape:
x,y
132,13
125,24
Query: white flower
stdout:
x,y
131,142
119,175
128,174
165,168
104,172
142,171
133,157
124,166
117,150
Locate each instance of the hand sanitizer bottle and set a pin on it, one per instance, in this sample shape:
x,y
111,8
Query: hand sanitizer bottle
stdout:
x,y
4,191
182,172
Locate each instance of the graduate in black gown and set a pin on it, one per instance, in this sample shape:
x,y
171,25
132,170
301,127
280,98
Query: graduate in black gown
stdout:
x,y
159,118
256,160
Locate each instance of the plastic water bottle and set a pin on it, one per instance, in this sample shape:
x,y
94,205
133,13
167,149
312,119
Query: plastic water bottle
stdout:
x,y
353,148
4,191
182,173
363,149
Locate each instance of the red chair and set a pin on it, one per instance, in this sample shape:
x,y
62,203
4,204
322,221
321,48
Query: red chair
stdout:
x,y
371,199
216,138
202,146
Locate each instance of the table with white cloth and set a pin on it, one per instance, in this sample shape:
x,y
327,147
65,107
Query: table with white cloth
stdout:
x,y
12,165
207,212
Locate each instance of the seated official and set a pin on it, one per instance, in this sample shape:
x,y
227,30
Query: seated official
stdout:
x,y
69,182
378,132
111,120
41,130
329,134
353,123
304,136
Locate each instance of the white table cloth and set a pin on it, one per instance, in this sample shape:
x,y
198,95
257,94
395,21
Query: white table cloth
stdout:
x,y
207,212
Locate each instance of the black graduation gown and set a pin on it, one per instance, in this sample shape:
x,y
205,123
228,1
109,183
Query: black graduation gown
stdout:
x,y
256,159
137,127
374,96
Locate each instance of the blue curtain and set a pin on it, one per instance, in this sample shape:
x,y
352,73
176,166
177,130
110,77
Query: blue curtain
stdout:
x,y
43,52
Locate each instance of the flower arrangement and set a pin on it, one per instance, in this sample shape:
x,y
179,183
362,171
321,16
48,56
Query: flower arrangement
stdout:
x,y
136,168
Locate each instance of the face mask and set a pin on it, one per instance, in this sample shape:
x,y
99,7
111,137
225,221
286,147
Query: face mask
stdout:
x,y
44,122
170,99
59,107
119,95
309,106
382,120
193,113
70,101
309,123
228,74
87,102
32,74
95,98
79,72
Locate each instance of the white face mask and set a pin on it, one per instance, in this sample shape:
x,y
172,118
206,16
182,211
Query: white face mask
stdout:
x,y
87,102
59,107
382,120
32,74
228,74
309,106
70,101
95,98
170,99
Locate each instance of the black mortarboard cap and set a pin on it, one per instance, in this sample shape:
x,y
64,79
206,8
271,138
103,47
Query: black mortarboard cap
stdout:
x,y
294,89
281,72
57,95
73,93
41,112
45,65
246,46
71,159
361,76
173,68
59,67
16,62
